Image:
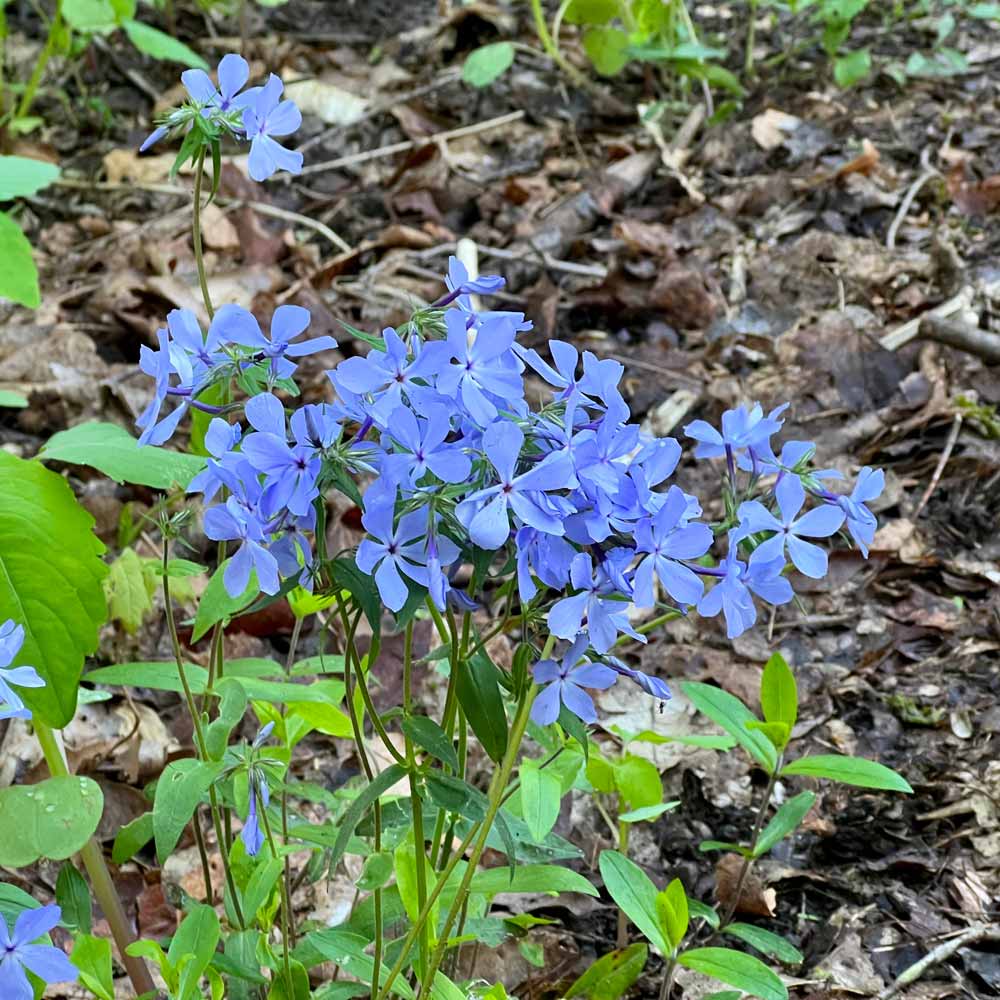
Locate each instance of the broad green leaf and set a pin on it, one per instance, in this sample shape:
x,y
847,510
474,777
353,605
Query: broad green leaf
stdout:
x,y
376,871
92,956
262,882
852,67
12,400
158,675
353,813
52,819
732,715
126,592
429,736
631,888
777,733
406,862
159,45
349,952
217,606
779,699
784,821
541,796
591,12
672,909
645,813
639,782
531,878
483,65
132,838
195,940
600,773
112,450
612,975
702,911
232,706
766,942
849,771
607,49
324,717
13,902
478,690
20,176
50,581
735,968
90,16
18,276
73,896
179,791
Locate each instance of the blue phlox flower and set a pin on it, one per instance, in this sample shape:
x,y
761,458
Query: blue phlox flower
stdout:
x,y
233,73
602,454
651,685
263,736
591,608
546,556
257,789
459,283
154,137
162,365
794,456
11,641
393,549
316,425
485,512
791,530
265,116
441,552
287,323
667,537
19,955
229,522
221,438
741,429
563,375
657,458
565,682
861,522
292,549
480,378
426,449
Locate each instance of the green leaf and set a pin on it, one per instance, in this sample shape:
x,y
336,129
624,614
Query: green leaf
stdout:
x,y
90,16
112,450
541,796
376,871
261,884
703,912
849,771
21,176
852,67
607,49
12,400
158,675
52,819
732,715
784,821
736,969
478,689
672,908
646,813
92,956
631,888
428,735
155,43
591,11
132,838
779,697
639,782
612,975
217,606
73,895
601,774
232,706
50,581
348,951
777,733
483,65
18,276
13,902
195,941
772,945
126,593
353,813
531,878
345,574
179,791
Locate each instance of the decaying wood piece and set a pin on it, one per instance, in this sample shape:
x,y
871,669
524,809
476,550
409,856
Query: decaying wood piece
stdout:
x,y
964,336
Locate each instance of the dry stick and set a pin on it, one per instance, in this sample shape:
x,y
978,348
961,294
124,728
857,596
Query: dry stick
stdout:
x,y
903,334
407,145
982,343
904,206
979,932
956,426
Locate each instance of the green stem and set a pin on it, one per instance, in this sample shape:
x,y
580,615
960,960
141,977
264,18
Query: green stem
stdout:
x,y
748,66
552,51
100,878
497,788
668,977
199,257
623,831
285,898
416,804
292,647
31,90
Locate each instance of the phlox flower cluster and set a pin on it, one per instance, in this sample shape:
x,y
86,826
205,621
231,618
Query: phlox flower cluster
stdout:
x,y
568,498
257,115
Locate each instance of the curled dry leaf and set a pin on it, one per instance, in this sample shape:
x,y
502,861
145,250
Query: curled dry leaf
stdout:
x,y
754,898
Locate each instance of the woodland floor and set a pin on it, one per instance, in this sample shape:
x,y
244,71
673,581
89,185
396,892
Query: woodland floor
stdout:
x,y
724,263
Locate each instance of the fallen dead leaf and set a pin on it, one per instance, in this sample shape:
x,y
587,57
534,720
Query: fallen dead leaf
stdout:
x,y
864,163
754,899
772,127
330,103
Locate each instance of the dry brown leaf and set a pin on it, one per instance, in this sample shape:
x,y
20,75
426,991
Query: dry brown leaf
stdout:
x,y
122,165
647,237
974,197
864,163
328,102
754,899
771,128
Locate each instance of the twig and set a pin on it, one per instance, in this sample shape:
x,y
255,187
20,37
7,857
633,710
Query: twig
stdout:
x,y
939,954
904,206
585,270
302,220
407,145
982,343
956,426
903,334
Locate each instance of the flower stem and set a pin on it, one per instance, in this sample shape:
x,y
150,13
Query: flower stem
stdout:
x,y
100,878
199,257
286,907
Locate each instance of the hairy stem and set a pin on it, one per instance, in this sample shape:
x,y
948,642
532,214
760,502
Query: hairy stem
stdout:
x,y
100,878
